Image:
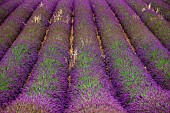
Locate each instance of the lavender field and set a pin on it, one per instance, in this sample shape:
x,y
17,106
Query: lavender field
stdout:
x,y
84,56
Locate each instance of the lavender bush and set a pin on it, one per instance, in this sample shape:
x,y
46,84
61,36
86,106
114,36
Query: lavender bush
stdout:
x,y
161,6
151,52
135,88
90,88
21,57
153,20
7,8
13,25
48,80
3,1
167,1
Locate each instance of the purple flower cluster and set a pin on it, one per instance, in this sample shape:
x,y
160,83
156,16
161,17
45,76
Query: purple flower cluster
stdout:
x,y
153,20
47,86
21,57
13,25
3,1
148,48
90,88
7,8
167,1
27,104
134,86
161,6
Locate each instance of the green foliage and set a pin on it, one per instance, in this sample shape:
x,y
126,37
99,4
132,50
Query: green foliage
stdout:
x,y
84,60
131,74
49,62
37,89
52,50
42,84
3,82
45,77
154,54
146,46
108,26
161,63
40,87
48,65
125,73
31,30
135,88
116,44
19,50
119,61
168,77
89,84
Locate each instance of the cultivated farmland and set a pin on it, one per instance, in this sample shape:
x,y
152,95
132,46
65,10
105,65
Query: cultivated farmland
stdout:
x,y
84,56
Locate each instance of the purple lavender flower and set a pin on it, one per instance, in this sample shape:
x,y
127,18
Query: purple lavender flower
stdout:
x,y
3,1
151,52
131,80
46,89
7,8
167,1
90,88
13,25
153,20
159,5
21,57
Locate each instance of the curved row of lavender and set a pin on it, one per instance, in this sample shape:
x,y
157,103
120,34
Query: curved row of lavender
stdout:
x,y
90,88
14,24
161,6
135,88
21,57
7,8
167,1
151,52
154,21
45,91
3,1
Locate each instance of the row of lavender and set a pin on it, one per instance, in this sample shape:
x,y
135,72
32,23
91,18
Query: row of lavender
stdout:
x,y
167,1
155,22
90,88
14,24
7,8
3,1
160,6
135,88
21,57
151,52
46,88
